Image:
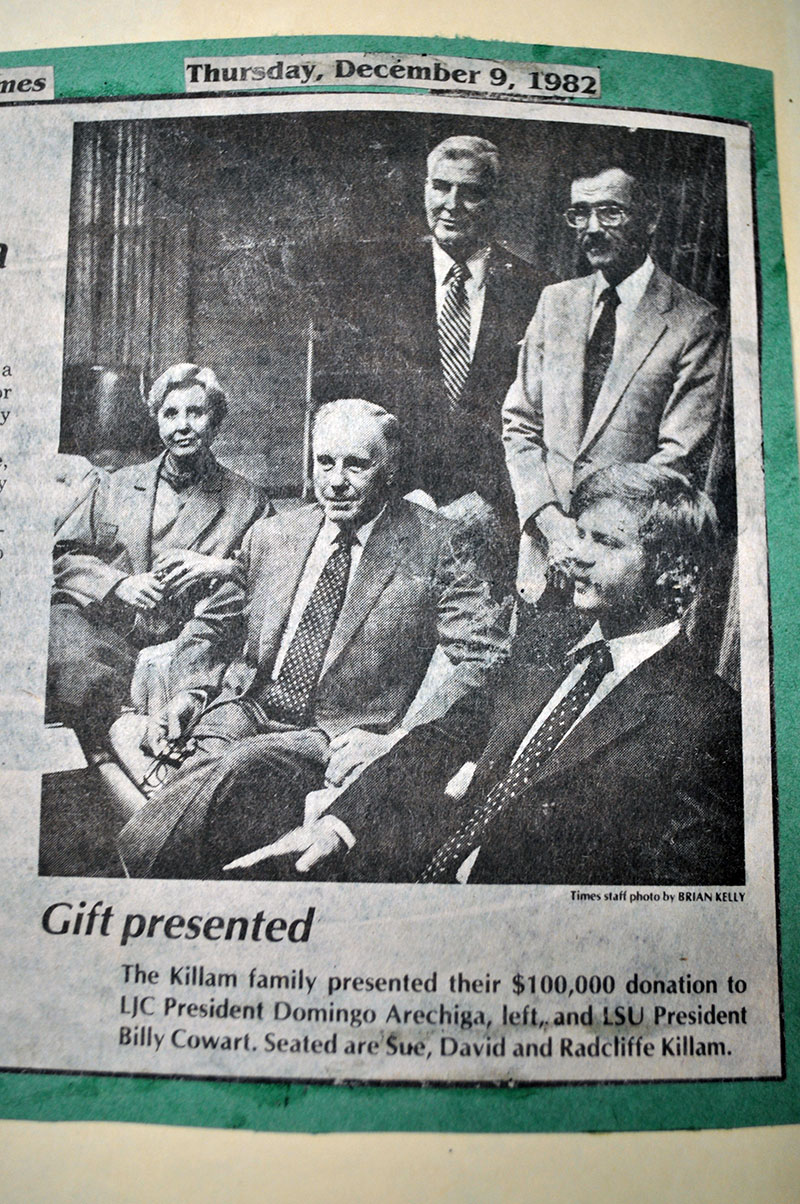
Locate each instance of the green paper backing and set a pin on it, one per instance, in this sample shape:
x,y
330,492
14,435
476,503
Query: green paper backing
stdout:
x,y
643,81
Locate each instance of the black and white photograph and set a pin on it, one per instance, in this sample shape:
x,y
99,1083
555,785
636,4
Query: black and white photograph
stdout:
x,y
398,535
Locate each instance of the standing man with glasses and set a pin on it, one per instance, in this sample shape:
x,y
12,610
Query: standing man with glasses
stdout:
x,y
617,366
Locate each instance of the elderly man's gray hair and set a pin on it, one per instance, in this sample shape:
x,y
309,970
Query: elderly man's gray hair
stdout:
x,y
467,146
347,409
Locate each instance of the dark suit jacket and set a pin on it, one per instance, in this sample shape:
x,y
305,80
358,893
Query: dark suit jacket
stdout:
x,y
646,789
660,400
385,348
111,539
409,594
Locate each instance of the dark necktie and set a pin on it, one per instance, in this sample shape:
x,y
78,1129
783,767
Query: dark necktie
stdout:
x,y
520,773
599,351
454,328
287,698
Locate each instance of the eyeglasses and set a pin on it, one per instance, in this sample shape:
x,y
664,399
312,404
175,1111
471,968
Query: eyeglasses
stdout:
x,y
577,216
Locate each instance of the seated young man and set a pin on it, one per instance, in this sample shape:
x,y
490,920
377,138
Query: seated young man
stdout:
x,y
620,765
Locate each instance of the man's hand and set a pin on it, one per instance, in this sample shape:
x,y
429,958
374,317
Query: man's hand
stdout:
x,y
561,534
314,841
355,750
179,567
142,590
169,724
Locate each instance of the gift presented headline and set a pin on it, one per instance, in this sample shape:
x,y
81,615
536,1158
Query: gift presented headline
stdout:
x,y
100,919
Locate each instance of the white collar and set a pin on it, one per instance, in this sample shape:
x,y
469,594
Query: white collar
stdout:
x,y
630,290
330,530
629,651
443,265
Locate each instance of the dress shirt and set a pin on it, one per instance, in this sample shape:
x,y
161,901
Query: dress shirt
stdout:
x,y
627,653
475,286
318,557
630,292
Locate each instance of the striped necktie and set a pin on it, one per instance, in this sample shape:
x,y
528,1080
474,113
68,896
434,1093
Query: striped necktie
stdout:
x,y
520,774
454,329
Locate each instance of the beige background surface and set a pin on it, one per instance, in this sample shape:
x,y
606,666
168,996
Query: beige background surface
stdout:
x,y
85,1163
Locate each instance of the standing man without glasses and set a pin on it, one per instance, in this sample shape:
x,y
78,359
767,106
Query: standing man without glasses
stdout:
x,y
344,604
621,365
435,330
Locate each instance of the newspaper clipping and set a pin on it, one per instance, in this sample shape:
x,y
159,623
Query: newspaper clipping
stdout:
x,y
383,589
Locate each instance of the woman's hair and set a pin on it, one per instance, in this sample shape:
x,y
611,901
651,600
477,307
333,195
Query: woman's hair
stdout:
x,y
183,376
678,525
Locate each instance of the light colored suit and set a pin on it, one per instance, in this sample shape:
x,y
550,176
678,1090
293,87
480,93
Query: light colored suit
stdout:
x,y
111,538
410,594
659,401
94,639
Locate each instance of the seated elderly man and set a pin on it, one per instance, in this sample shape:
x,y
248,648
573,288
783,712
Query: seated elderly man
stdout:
x,y
141,551
622,765
345,602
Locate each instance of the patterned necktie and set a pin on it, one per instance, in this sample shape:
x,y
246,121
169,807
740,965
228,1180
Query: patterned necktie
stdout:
x,y
520,773
599,351
287,698
454,327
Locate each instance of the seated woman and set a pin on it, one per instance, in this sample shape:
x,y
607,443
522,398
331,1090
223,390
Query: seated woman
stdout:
x,y
144,549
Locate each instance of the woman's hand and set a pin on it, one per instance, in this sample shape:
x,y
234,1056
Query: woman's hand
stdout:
x,y
180,567
143,591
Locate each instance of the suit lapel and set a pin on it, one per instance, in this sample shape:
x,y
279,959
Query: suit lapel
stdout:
x,y
279,575
620,712
425,286
648,326
495,289
415,298
573,335
200,510
135,526
379,561
627,707
524,699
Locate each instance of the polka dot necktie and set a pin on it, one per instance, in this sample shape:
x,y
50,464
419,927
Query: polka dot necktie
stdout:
x,y
599,351
454,328
287,699
521,772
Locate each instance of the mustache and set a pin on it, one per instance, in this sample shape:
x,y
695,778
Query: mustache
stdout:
x,y
598,240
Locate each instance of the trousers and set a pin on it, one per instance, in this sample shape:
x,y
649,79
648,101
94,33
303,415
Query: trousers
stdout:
x,y
243,787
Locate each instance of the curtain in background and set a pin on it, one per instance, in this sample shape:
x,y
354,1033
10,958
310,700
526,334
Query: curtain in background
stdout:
x,y
128,274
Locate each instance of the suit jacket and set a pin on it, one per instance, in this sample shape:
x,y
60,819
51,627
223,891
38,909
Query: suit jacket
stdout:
x,y
659,401
409,594
646,789
386,349
111,538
